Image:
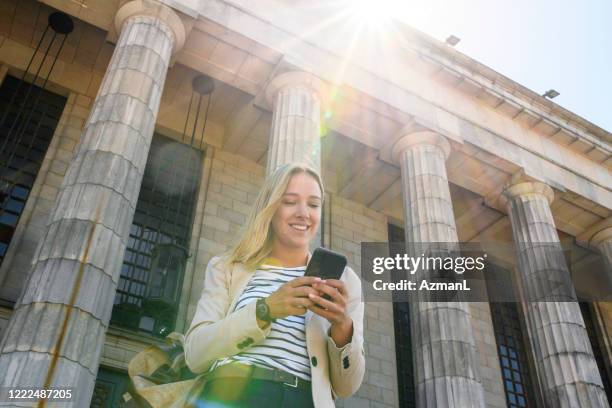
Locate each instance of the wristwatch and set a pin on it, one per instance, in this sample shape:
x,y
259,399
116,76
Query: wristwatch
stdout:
x,y
262,311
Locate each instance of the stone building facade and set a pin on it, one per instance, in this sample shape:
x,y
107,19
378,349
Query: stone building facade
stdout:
x,y
428,146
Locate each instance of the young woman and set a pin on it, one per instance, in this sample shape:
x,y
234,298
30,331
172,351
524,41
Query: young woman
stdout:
x,y
262,330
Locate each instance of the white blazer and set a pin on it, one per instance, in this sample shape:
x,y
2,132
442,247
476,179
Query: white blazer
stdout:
x,y
215,334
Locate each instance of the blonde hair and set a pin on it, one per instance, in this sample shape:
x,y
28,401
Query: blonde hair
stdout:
x,y
255,241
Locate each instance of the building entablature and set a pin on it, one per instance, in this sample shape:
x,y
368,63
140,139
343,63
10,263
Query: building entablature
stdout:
x,y
443,63
524,137
422,79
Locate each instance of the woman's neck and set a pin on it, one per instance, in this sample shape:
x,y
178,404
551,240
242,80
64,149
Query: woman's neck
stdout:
x,y
290,257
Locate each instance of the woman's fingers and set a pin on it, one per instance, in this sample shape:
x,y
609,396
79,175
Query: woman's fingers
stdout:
x,y
329,314
334,309
303,291
338,284
303,281
326,304
302,303
300,306
332,291
323,313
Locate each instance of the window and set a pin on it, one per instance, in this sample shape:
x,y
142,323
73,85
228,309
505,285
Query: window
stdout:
x,y
163,215
109,389
28,118
511,348
403,340
589,322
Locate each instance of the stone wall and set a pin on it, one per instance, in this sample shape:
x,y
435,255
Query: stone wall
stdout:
x,y
351,224
232,187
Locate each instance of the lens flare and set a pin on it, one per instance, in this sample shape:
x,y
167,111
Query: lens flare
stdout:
x,y
374,13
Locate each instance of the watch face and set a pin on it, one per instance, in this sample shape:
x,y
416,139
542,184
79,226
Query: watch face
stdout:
x,y
262,309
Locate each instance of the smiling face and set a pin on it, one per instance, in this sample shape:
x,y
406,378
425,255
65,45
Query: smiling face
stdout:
x,y
296,220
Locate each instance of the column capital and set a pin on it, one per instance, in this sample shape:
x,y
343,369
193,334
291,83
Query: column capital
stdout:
x,y
407,140
527,188
157,10
602,236
295,78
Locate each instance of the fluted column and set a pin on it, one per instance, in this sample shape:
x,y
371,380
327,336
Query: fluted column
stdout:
x,y
56,333
447,371
566,366
295,98
602,240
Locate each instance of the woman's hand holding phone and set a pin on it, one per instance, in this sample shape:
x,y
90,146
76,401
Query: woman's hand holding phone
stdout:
x,y
293,297
334,307
307,293
333,310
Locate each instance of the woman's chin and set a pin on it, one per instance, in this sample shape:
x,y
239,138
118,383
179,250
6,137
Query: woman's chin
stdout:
x,y
299,243
302,244
296,241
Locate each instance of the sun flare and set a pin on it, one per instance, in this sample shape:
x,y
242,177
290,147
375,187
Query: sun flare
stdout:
x,y
374,13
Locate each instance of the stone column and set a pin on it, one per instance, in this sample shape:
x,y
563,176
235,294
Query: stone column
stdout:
x,y
447,371
56,332
295,98
567,369
602,240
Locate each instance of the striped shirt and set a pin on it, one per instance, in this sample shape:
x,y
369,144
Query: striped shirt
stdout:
x,y
285,346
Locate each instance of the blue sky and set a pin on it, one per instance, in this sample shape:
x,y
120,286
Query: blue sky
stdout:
x,y
541,44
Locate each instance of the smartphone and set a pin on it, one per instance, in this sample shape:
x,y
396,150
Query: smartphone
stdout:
x,y
326,264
